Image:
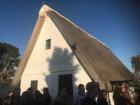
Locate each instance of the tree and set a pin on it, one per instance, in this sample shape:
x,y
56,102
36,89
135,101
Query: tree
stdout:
x,y
135,61
9,60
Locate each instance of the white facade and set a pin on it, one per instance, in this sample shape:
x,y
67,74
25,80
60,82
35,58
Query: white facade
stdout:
x,y
45,65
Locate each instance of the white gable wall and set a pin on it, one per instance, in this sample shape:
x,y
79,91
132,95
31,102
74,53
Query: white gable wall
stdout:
x,y
45,65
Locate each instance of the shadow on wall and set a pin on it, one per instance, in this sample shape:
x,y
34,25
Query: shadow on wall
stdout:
x,y
61,71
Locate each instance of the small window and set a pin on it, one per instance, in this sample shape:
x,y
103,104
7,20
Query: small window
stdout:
x,y
34,84
48,44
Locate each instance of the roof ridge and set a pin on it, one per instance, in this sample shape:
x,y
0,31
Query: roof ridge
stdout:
x,y
46,9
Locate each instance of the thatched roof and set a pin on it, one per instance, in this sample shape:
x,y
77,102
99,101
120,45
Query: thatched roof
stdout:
x,y
98,61
28,51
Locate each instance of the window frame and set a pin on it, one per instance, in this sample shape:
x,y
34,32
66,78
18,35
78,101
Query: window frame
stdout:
x,y
48,44
34,84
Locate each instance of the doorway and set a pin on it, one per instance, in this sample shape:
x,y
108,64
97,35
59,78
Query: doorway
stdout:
x,y
65,81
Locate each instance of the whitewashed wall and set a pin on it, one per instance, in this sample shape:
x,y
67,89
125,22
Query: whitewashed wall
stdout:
x,y
45,65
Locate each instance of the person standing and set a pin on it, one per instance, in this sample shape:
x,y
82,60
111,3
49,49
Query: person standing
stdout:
x,y
27,97
92,93
102,98
80,95
45,98
9,99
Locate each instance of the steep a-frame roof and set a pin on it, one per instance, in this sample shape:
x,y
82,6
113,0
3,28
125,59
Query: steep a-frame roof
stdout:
x,y
28,51
98,61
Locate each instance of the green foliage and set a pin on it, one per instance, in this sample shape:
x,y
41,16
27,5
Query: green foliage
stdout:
x,y
135,61
6,81
9,59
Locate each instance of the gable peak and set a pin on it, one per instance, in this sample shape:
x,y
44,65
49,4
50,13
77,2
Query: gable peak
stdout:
x,y
44,10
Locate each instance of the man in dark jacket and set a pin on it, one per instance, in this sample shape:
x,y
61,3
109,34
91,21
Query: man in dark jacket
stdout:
x,y
45,98
92,92
27,97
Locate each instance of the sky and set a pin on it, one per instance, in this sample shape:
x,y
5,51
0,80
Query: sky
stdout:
x,y
114,22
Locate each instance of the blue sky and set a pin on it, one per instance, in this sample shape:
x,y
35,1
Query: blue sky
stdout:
x,y
115,22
